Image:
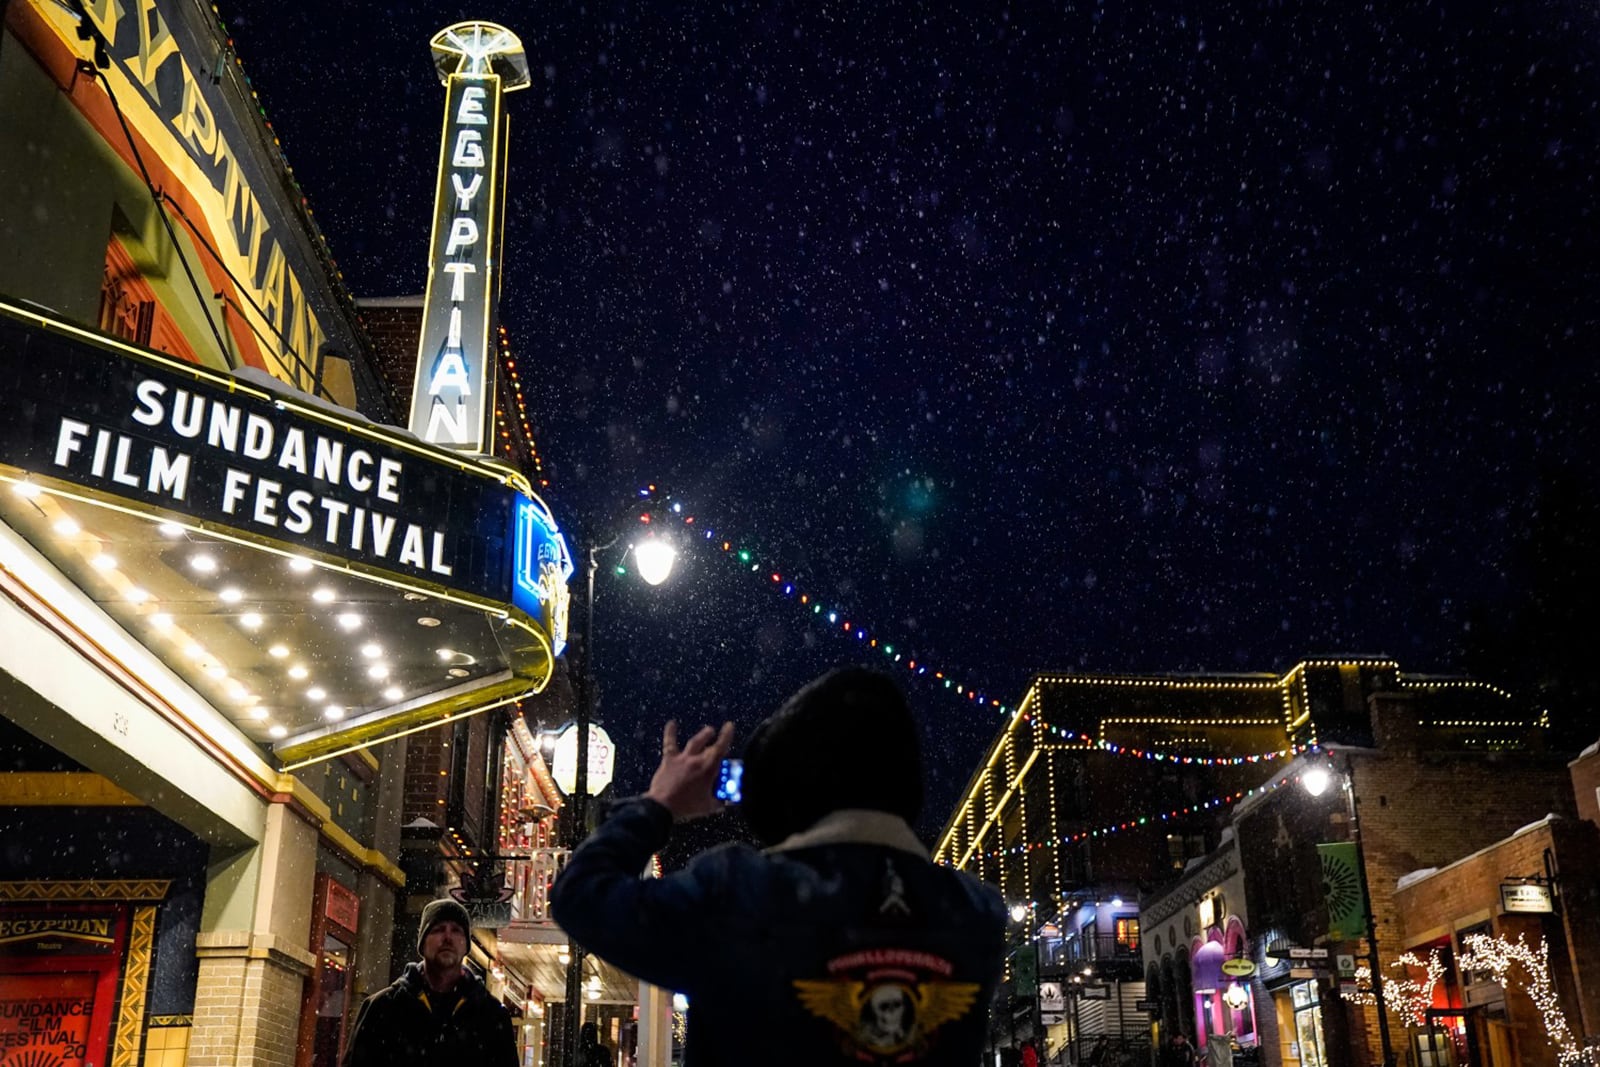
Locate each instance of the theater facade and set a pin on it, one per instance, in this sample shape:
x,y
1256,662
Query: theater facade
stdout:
x,y
228,580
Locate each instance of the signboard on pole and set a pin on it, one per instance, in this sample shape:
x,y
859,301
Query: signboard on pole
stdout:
x,y
1052,998
452,398
1526,898
1342,891
564,759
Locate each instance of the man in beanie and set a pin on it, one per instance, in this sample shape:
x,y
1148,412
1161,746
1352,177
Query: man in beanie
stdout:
x,y
841,942
437,1013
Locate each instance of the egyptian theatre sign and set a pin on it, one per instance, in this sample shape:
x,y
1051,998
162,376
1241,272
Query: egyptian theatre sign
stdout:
x,y
452,400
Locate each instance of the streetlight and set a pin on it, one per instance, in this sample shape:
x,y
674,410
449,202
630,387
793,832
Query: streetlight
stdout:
x,y
654,557
1315,781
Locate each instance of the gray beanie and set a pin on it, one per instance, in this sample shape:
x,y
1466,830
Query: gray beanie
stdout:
x,y
437,912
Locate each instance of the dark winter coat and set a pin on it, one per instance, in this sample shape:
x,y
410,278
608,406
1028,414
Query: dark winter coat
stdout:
x,y
397,1027
845,944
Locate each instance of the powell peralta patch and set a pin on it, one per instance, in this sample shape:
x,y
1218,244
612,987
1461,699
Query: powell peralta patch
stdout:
x,y
888,1004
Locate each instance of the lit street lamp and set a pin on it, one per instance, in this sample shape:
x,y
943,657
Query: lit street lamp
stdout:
x,y
654,556
1316,780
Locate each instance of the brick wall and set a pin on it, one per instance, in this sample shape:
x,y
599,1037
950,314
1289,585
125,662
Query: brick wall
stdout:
x,y
426,790
1463,893
1586,783
246,1012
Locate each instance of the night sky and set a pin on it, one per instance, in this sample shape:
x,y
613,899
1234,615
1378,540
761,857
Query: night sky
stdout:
x,y
1103,337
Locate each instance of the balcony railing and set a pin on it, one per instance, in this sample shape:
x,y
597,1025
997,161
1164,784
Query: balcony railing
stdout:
x,y
1089,948
530,878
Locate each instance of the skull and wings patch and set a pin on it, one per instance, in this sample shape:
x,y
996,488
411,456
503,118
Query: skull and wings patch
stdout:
x,y
887,1005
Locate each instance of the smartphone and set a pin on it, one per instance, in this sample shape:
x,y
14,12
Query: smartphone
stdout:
x,y
728,781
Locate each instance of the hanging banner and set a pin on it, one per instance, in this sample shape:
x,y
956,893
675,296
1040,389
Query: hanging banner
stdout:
x,y
1342,891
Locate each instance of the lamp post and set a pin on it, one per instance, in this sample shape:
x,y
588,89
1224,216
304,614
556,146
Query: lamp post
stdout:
x,y
1316,781
654,556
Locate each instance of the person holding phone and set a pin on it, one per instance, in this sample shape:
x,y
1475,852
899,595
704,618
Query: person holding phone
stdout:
x,y
840,941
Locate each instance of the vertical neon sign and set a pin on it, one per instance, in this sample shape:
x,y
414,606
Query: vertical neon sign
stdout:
x,y
452,398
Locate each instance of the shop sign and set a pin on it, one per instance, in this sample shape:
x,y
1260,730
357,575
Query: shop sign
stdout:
x,y
159,434
455,374
1238,968
1308,954
1052,997
1526,898
342,906
487,900
57,933
564,759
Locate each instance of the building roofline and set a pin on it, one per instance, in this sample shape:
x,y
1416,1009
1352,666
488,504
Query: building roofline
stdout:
x,y
1542,824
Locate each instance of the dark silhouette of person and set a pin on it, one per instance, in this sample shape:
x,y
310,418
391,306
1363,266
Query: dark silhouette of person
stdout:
x,y
841,941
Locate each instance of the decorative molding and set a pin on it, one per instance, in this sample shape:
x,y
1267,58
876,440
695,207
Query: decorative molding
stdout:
x,y
150,889
1193,887
160,1021
242,944
135,984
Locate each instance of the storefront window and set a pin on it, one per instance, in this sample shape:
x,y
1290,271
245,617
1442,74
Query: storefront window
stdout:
x,y
1308,1024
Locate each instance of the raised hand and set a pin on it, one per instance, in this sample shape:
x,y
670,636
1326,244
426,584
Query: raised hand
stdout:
x,y
685,783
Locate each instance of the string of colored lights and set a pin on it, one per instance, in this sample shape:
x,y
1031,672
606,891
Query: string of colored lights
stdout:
x,y
839,621
1152,819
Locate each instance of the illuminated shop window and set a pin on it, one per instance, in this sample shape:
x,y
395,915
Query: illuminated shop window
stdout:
x,y
1127,934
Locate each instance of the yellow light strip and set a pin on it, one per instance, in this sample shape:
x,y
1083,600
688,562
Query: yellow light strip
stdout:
x,y
230,535
998,808
450,718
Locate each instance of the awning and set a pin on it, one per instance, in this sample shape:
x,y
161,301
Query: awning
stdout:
x,y
324,581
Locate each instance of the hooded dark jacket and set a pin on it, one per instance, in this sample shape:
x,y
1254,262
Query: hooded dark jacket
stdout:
x,y
397,1027
844,944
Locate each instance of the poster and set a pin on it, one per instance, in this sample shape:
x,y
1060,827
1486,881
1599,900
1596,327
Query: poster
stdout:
x,y
45,1018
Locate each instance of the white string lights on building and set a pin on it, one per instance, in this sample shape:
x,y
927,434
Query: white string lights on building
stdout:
x,y
1410,997
1498,956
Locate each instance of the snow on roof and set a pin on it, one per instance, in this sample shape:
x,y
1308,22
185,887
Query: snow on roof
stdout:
x,y
1418,876
1415,876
